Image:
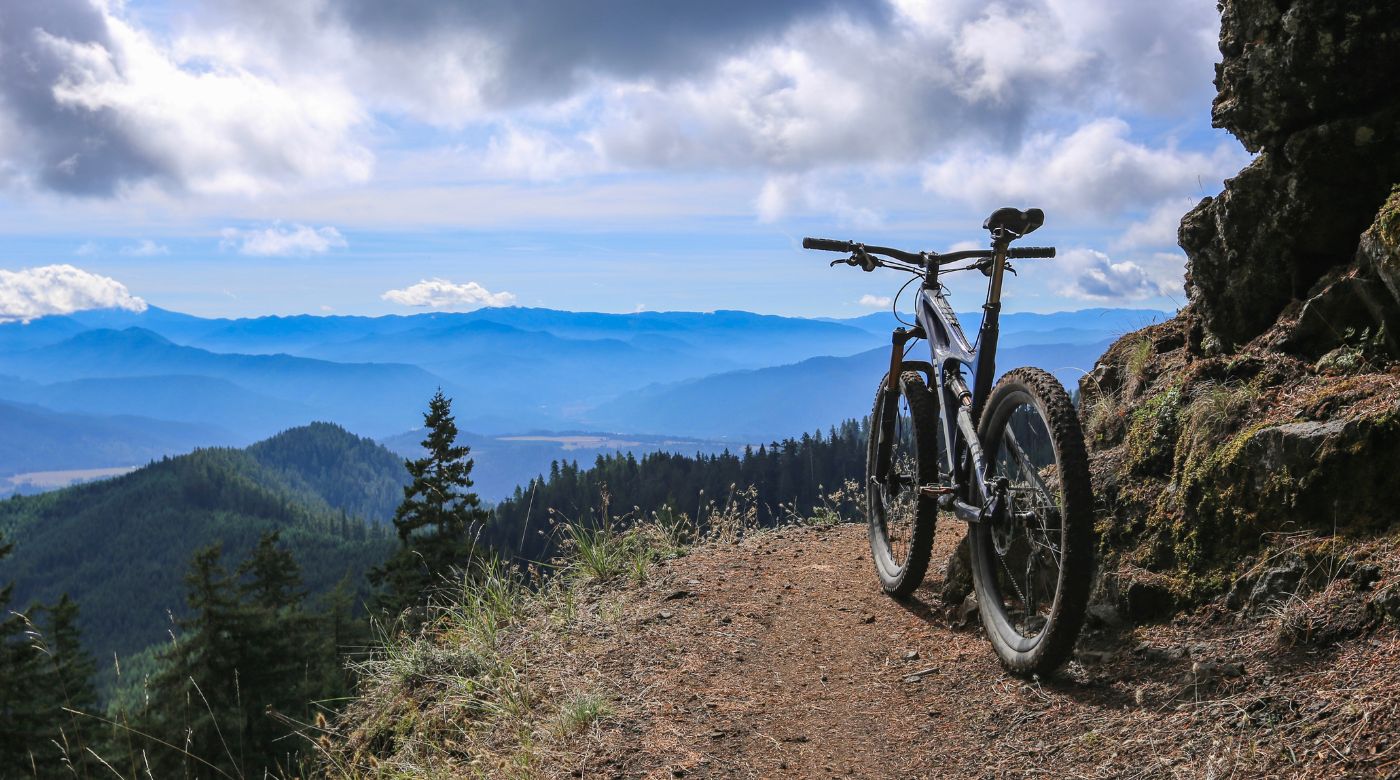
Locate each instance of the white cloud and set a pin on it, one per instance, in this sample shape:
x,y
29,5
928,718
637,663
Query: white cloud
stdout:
x,y
518,152
1094,170
443,294
60,289
785,86
279,241
1091,275
832,90
875,301
86,248
1158,228
809,193
99,106
145,248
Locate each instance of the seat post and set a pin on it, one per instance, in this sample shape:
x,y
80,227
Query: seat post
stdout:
x,y
1000,242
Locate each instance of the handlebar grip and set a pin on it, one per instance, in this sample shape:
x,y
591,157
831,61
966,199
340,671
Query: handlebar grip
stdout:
x,y
1031,251
828,245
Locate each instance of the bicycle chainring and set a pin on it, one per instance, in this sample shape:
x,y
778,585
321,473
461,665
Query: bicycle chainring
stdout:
x,y
1003,529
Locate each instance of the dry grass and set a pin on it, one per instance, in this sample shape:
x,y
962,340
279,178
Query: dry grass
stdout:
x,y
1135,368
491,686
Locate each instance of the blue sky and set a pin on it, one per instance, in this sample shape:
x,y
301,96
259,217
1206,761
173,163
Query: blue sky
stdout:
x,y
248,157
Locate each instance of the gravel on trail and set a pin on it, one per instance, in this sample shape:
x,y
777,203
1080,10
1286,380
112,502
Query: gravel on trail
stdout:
x,y
779,656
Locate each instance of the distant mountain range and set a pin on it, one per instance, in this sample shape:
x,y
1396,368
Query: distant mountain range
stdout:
x,y
132,380
769,403
33,438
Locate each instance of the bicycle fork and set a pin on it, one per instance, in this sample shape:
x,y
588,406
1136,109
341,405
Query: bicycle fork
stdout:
x,y
890,400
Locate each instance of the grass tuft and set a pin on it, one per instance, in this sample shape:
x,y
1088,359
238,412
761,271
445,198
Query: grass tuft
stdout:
x,y
581,712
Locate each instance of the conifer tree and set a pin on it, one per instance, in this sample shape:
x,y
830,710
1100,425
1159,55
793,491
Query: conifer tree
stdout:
x,y
20,727
194,697
278,652
248,654
438,516
43,670
69,685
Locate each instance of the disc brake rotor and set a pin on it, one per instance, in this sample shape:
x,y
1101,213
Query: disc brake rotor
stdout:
x,y
1003,530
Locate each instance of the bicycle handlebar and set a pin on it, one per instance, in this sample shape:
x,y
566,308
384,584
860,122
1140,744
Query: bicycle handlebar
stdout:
x,y
833,245
828,245
921,258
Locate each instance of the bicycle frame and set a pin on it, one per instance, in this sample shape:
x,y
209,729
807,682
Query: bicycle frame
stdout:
x,y
959,405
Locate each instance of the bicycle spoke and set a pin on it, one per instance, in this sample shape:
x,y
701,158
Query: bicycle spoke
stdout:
x,y
1027,539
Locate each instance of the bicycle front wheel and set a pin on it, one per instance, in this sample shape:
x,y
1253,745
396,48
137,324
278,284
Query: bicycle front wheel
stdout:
x,y
902,457
1033,566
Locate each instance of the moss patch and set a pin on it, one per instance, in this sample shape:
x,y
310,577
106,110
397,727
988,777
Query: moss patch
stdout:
x,y
1388,221
1152,434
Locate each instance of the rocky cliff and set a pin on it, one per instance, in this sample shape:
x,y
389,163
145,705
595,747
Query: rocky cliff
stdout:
x,y
1255,438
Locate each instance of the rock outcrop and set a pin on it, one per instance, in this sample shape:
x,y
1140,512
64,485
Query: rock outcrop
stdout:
x,y
1269,408
1310,86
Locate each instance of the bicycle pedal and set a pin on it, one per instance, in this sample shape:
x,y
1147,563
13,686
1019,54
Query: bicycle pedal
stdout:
x,y
931,491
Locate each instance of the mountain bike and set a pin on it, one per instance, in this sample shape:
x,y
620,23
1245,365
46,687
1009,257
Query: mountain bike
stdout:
x,y
1008,459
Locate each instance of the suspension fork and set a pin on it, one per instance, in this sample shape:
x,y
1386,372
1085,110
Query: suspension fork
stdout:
x,y
889,400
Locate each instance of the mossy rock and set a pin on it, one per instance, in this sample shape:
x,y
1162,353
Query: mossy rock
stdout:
x,y
1152,433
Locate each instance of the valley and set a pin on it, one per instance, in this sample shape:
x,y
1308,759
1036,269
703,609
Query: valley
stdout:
x,y
114,388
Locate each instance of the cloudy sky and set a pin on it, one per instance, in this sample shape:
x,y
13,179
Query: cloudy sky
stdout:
x,y
246,157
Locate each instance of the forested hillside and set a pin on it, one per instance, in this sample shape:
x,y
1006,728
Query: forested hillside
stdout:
x,y
120,547
322,463
780,480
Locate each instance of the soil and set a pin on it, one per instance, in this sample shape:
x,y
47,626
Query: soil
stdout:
x,y
779,656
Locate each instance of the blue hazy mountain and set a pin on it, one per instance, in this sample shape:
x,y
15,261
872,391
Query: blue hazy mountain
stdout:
x,y
734,337
739,337
770,403
16,336
498,358
179,398
753,404
39,439
295,335
373,398
726,375
1084,326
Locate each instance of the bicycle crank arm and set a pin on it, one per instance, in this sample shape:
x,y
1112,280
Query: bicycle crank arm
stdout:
x,y
961,509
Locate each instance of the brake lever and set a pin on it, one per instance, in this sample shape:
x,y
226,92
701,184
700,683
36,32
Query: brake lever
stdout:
x,y
847,261
866,262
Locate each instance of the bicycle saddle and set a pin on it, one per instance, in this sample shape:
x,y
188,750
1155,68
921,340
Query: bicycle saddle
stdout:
x,y
1015,220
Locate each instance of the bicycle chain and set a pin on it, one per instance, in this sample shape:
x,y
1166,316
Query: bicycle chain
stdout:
x,y
1024,601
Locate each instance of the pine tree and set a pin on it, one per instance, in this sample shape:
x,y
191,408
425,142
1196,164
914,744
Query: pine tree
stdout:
x,y
277,651
21,730
194,697
437,518
68,687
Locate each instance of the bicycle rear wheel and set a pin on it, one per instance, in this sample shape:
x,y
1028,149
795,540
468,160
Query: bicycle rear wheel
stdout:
x,y
902,456
1032,568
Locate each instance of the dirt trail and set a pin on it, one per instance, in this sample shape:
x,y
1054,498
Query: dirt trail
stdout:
x,y
780,657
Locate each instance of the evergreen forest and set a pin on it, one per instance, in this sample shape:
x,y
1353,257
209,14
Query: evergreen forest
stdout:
x,y
189,618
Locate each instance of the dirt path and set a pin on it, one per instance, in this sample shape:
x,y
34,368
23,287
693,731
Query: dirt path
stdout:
x,y
780,657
